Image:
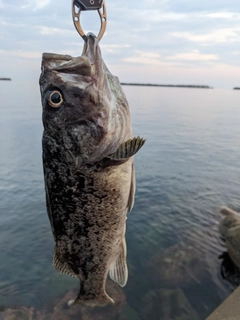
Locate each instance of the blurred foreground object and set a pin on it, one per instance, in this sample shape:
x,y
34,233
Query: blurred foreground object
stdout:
x,y
229,229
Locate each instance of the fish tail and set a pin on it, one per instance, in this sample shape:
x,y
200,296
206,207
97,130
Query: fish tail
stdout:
x,y
97,301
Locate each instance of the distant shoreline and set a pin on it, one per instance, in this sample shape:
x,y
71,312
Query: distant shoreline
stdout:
x,y
166,85
236,88
7,79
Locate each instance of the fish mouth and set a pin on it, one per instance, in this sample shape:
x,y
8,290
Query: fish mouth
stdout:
x,y
56,56
91,50
90,63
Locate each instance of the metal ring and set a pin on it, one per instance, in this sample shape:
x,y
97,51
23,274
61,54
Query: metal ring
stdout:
x,y
76,12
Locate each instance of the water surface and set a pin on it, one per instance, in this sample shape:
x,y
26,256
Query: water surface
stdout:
x,y
187,169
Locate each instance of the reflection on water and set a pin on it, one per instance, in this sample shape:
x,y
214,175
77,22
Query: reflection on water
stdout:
x,y
188,168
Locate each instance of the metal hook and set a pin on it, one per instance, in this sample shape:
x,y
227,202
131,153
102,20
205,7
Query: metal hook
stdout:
x,y
76,12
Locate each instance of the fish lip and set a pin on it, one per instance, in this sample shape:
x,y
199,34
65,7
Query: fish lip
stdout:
x,y
91,50
56,56
89,64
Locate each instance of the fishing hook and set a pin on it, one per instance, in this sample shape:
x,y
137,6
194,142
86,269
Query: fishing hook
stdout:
x,y
82,5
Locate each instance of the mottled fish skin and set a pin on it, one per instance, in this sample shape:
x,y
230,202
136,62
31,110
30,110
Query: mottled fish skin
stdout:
x,y
88,191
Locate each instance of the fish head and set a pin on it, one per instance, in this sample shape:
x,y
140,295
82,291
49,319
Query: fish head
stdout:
x,y
84,107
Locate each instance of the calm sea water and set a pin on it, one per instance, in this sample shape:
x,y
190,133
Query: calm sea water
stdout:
x,y
188,168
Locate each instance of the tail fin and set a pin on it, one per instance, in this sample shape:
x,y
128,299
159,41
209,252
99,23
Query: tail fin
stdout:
x,y
100,301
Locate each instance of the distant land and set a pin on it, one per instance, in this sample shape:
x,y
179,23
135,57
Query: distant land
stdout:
x,y
236,88
166,85
8,79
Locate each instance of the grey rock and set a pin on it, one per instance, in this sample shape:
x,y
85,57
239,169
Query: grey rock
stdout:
x,y
62,311
167,304
178,266
127,313
80,311
21,313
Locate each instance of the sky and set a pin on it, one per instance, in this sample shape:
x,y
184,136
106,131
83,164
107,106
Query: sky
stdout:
x,y
147,41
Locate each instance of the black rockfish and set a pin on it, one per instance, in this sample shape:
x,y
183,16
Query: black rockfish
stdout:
x,y
88,149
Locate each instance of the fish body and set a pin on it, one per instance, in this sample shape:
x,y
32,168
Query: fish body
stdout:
x,y
88,149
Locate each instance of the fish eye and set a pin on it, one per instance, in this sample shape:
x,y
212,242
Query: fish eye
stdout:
x,y
55,99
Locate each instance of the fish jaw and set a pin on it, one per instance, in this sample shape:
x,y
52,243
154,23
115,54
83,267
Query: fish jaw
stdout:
x,y
89,65
92,52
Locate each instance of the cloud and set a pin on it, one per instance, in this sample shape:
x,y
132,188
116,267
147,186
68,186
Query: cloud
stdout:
x,y
148,58
229,35
155,2
22,54
167,16
158,16
144,35
193,55
221,15
114,48
36,4
51,31
11,24
2,22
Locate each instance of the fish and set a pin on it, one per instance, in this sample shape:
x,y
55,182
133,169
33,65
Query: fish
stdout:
x,y
88,152
229,229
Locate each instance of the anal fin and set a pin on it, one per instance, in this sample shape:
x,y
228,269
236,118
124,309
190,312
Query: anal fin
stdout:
x,y
60,265
118,271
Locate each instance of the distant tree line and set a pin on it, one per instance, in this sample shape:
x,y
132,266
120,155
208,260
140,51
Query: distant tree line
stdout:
x,y
167,85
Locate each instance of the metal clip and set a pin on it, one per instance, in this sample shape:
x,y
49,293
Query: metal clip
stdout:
x,y
82,5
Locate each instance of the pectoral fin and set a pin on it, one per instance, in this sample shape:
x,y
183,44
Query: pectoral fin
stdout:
x,y
60,265
118,271
128,149
124,152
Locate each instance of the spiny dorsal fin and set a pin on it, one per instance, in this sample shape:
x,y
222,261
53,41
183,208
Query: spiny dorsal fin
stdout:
x,y
128,149
118,271
61,266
